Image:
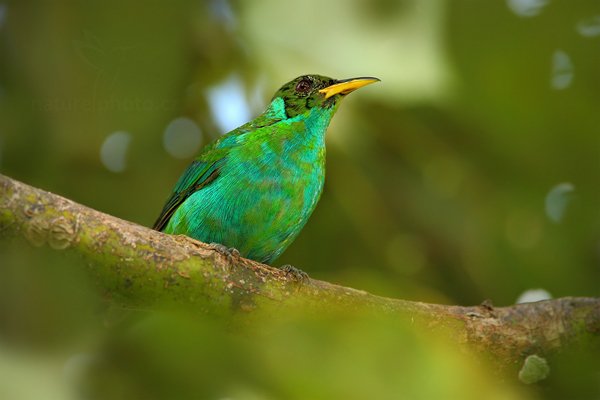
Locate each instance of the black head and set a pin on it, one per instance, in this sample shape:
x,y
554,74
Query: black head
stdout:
x,y
309,91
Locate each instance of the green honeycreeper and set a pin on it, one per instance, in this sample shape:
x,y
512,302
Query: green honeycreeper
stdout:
x,y
254,188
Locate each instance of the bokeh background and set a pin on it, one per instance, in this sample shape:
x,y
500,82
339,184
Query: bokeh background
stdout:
x,y
470,172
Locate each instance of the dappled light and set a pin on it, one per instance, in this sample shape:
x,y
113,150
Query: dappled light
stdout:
x,y
469,175
228,103
113,151
527,8
589,27
562,70
531,295
182,138
557,200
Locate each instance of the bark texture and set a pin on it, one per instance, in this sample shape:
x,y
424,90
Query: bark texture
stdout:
x,y
142,268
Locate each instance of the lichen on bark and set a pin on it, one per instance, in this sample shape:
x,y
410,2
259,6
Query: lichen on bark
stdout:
x,y
140,267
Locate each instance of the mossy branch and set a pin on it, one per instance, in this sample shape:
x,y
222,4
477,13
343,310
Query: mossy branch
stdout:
x,y
142,268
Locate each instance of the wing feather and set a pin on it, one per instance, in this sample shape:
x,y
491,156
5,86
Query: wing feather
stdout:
x,y
198,175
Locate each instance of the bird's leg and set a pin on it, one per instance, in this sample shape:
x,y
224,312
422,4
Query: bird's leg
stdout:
x,y
295,273
231,253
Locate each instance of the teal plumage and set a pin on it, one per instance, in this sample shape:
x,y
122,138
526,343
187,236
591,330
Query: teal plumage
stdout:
x,y
255,188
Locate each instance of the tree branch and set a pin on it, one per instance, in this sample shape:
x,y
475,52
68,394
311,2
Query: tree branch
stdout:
x,y
142,268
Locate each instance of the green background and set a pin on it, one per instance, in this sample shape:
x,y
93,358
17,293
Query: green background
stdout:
x,y
470,172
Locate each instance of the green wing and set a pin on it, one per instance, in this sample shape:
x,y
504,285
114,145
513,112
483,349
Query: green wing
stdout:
x,y
206,168
198,175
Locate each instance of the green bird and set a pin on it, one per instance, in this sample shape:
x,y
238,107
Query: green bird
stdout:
x,y
254,188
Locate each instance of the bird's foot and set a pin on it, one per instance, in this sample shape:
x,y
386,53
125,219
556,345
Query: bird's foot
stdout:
x,y
295,273
231,253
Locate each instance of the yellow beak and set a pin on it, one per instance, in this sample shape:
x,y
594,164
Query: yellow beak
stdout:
x,y
346,86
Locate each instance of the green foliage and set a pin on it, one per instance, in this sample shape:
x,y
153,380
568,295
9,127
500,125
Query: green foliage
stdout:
x,y
443,182
534,369
324,357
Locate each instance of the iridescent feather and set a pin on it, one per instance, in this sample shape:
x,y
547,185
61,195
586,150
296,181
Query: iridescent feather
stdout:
x,y
255,188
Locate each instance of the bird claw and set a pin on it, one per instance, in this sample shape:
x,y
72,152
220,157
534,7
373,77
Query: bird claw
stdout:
x,y
231,253
295,273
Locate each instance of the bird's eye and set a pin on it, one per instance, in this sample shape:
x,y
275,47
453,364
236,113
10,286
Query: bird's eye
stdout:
x,y
303,86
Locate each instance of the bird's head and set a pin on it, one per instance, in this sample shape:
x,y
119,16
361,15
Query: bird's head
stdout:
x,y
308,91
